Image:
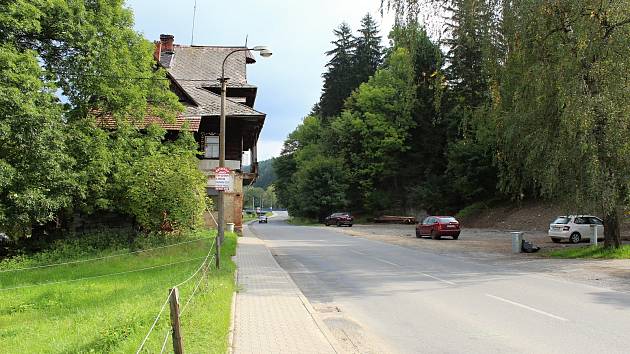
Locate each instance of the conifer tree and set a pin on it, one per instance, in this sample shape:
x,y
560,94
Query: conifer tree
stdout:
x,y
368,50
338,79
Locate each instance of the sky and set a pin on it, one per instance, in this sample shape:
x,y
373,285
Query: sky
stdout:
x,y
298,32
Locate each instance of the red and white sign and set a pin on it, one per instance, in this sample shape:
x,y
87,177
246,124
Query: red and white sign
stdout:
x,y
222,179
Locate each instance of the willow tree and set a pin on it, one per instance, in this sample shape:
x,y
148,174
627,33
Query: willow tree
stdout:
x,y
563,110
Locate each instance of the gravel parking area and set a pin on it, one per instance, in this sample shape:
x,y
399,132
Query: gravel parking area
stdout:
x,y
495,247
471,241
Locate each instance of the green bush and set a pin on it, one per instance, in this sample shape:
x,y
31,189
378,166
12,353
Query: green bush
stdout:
x,y
167,193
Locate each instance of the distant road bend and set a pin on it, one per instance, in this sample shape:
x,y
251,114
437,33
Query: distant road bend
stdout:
x,y
377,297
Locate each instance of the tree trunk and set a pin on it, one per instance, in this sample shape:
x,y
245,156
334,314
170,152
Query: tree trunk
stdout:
x,y
612,234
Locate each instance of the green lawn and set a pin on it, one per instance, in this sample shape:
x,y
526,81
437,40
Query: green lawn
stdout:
x,y
113,313
593,252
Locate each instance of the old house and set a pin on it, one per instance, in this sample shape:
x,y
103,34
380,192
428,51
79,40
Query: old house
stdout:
x,y
194,72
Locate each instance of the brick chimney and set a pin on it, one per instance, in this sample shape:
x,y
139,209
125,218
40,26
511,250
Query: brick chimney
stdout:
x,y
157,51
166,41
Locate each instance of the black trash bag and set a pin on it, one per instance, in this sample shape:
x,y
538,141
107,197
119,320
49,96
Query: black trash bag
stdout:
x,y
528,247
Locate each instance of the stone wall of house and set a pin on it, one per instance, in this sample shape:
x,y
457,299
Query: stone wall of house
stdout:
x,y
233,202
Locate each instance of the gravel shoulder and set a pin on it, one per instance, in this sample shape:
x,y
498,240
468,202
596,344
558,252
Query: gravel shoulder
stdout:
x,y
492,246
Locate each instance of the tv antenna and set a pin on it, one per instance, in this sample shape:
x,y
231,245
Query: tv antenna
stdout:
x,y
192,33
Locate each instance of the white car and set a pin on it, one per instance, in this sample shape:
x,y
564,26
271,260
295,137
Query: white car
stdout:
x,y
262,218
575,228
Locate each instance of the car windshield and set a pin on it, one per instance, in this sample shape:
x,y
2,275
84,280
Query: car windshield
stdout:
x,y
561,220
448,219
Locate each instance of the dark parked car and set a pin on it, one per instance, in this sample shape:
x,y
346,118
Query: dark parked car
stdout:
x,y
339,219
438,226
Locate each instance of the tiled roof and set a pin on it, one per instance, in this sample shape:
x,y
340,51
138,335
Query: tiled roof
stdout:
x,y
204,63
190,66
210,104
108,122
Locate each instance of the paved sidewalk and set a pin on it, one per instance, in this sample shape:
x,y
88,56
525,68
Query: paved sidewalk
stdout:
x,y
272,315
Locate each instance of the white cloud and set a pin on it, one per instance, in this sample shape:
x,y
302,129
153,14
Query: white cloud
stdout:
x,y
266,149
269,148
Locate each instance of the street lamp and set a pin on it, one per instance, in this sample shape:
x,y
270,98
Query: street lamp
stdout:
x,y
264,52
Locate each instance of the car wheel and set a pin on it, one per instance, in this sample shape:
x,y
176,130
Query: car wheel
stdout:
x,y
555,240
350,225
434,235
455,237
418,235
338,224
575,237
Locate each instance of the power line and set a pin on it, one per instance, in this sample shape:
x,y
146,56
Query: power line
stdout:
x,y
101,258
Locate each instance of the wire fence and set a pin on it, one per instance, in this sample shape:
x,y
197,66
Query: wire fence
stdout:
x,y
169,331
101,258
100,276
203,269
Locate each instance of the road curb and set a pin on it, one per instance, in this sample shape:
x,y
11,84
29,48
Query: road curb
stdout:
x,y
330,338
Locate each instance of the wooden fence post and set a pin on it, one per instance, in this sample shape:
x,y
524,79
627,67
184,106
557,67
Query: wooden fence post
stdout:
x,y
178,344
218,253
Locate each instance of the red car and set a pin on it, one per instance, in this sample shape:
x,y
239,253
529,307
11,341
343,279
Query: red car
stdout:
x,y
438,226
339,219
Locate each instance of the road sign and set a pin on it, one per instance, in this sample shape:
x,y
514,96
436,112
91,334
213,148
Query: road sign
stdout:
x,y
222,178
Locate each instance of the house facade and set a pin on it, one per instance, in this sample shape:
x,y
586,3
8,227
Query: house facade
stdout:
x,y
194,72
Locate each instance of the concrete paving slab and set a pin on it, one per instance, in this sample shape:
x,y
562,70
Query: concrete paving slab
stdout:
x,y
271,314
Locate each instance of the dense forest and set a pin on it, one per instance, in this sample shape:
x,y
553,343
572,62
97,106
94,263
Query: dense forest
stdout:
x,y
517,100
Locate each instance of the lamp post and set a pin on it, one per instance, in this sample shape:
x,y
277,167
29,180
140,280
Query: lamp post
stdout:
x,y
264,52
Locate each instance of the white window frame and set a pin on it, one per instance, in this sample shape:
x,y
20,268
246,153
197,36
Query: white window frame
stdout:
x,y
211,147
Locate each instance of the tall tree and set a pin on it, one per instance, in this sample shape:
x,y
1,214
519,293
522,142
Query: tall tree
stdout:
x,y
472,54
368,51
36,178
53,158
339,78
424,186
311,181
563,110
373,132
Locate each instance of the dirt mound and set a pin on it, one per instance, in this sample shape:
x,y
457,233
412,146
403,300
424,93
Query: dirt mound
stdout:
x,y
526,216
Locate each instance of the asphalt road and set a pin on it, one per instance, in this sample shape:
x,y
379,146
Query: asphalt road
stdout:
x,y
378,297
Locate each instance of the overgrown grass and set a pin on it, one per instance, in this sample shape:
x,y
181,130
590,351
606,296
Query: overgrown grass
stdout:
x,y
113,313
598,252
